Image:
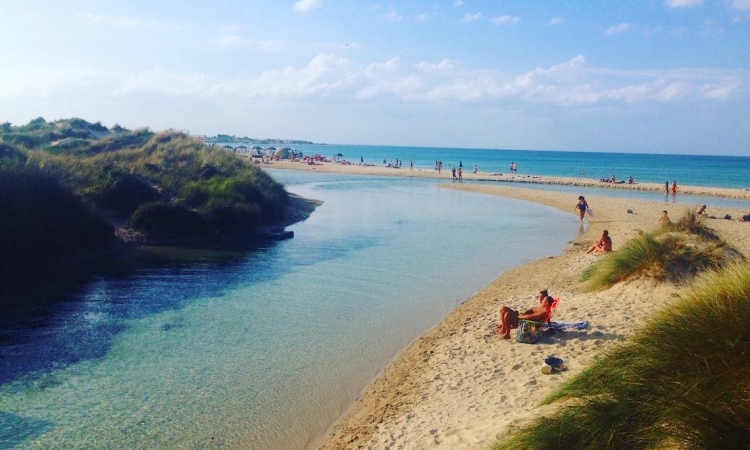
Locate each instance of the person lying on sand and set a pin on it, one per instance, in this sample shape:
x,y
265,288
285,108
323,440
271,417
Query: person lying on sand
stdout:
x,y
745,218
509,317
601,245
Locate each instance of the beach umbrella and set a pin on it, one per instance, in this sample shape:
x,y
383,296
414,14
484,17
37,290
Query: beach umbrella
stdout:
x,y
361,159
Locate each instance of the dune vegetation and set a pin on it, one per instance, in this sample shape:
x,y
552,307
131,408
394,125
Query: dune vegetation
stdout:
x,y
676,252
682,380
67,185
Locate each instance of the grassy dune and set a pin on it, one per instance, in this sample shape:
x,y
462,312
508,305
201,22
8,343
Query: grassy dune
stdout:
x,y
65,186
682,380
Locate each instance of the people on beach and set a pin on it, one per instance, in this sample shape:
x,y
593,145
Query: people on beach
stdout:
x,y
475,168
460,174
582,206
453,171
674,187
745,218
666,186
539,313
411,164
664,217
630,180
601,245
701,211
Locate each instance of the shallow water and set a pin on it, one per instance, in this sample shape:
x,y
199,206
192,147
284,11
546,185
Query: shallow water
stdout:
x,y
265,349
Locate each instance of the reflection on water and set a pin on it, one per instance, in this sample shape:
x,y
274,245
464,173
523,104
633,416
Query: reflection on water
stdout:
x,y
265,346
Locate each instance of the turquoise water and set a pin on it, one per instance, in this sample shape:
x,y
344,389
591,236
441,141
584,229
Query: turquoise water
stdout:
x,y
696,170
264,348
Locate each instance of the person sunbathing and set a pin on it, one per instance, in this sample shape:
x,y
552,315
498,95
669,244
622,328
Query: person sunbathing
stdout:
x,y
601,245
509,317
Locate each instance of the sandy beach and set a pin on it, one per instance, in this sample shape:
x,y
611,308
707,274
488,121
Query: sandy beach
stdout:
x,y
460,386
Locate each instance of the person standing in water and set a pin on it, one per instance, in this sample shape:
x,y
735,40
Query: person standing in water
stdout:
x,y
666,186
582,206
674,187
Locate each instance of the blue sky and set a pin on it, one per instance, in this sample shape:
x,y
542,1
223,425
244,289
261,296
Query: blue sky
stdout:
x,y
644,76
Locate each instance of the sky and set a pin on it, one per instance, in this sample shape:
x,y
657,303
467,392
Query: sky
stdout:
x,y
641,76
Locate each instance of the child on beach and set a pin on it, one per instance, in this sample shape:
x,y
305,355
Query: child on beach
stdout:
x,y
664,217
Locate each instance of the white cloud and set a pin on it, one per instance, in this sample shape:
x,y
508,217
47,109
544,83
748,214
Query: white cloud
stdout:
x,y
556,21
468,18
162,81
391,16
228,40
445,64
682,3
324,74
721,91
458,3
573,83
617,29
504,20
307,5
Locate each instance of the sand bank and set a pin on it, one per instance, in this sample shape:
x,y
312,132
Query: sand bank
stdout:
x,y
460,386
503,178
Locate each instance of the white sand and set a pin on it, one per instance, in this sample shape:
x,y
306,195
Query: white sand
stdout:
x,y
460,386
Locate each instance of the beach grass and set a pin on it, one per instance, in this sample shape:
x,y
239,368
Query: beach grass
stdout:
x,y
682,381
689,223
675,252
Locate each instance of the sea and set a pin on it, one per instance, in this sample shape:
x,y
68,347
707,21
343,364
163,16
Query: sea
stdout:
x,y
264,345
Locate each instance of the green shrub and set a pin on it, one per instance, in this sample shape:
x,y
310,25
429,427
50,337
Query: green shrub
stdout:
x,y
121,192
162,219
41,219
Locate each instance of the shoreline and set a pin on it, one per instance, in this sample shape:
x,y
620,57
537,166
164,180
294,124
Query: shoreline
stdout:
x,y
459,386
502,178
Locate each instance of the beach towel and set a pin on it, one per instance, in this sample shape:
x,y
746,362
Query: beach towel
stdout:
x,y
590,212
562,326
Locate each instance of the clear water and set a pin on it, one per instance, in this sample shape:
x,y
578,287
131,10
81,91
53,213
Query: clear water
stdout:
x,y
265,349
694,170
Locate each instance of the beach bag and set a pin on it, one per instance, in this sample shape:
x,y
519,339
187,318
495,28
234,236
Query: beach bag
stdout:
x,y
528,332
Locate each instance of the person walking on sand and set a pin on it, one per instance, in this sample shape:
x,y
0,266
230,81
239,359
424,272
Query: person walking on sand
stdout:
x,y
475,168
582,206
453,171
666,186
460,174
674,187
